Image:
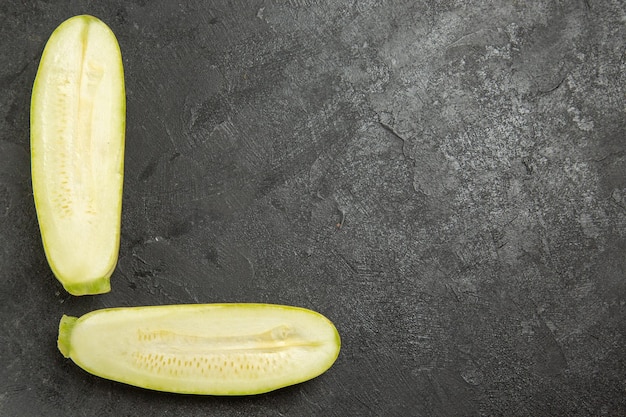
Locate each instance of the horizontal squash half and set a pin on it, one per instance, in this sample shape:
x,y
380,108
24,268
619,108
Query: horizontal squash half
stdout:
x,y
211,349
78,113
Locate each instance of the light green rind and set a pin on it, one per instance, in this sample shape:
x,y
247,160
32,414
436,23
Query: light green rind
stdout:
x,y
65,333
100,285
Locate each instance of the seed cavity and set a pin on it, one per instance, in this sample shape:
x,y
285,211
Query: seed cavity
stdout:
x,y
243,356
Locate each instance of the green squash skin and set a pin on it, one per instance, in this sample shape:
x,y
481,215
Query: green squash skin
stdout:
x,y
65,333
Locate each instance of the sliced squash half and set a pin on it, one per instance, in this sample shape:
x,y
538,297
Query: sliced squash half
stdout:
x,y
78,113
211,349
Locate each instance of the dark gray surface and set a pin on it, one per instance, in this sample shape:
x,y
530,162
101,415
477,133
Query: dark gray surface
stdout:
x,y
472,152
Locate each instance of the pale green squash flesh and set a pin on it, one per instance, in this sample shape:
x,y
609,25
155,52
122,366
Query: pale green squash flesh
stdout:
x,y
78,112
210,349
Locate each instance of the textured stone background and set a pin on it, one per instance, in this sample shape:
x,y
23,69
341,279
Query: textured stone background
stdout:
x,y
445,180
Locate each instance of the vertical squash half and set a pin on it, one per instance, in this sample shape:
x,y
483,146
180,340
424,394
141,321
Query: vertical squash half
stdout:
x,y
209,349
78,119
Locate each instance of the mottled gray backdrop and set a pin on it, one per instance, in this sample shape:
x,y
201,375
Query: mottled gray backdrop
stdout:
x,y
445,180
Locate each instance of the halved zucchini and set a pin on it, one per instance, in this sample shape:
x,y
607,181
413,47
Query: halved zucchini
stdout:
x,y
78,113
214,349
